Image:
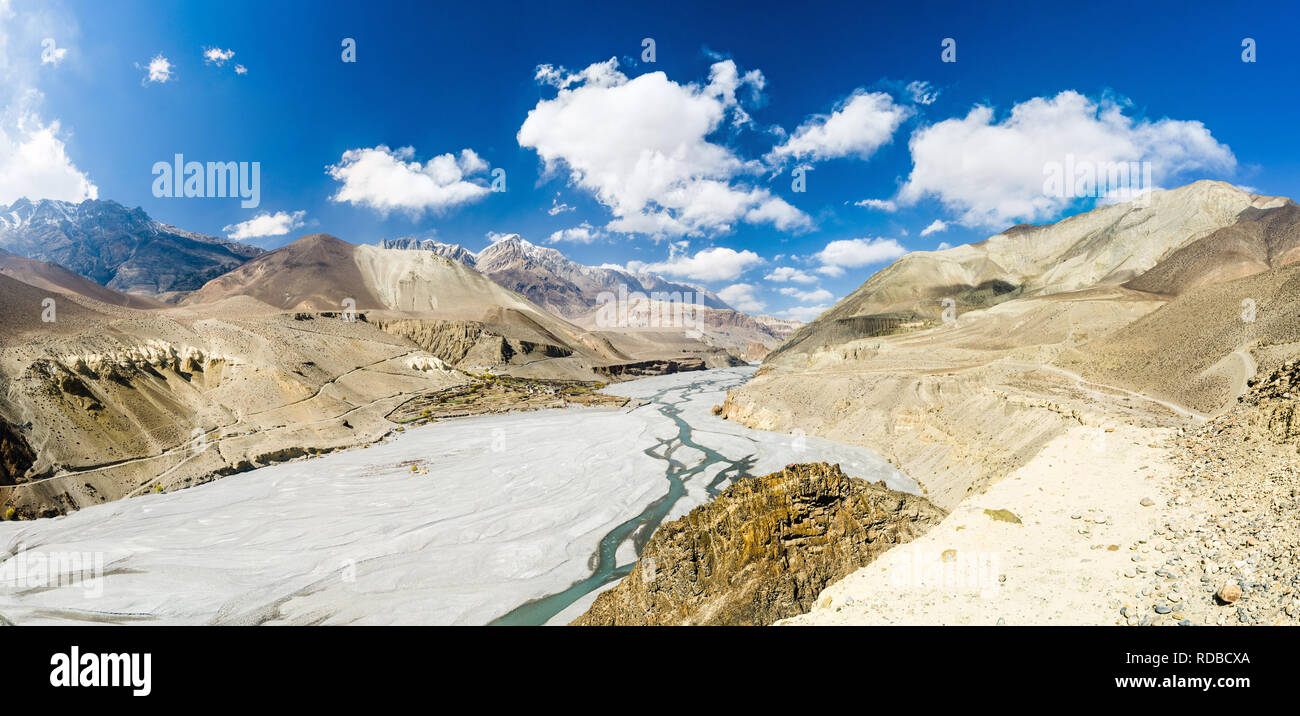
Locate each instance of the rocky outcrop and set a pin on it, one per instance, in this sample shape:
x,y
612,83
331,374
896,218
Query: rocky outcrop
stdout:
x,y
16,456
1275,399
763,550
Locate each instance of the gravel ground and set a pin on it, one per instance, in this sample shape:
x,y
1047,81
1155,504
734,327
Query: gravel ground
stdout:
x,y
1232,529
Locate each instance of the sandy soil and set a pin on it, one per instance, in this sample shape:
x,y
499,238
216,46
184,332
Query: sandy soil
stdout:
x,y
1079,511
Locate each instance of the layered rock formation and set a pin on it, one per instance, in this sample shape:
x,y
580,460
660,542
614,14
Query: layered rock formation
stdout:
x,y
762,550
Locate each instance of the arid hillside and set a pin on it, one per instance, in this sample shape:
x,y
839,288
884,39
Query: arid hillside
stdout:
x,y
1153,312
301,350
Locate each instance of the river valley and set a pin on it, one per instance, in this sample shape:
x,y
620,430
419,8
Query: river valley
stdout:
x,y
518,518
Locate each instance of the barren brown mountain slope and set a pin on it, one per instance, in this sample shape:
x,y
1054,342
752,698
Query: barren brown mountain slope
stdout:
x,y
1260,239
956,406
105,405
55,278
314,273
1202,347
418,294
1049,334
1106,246
1075,348
116,395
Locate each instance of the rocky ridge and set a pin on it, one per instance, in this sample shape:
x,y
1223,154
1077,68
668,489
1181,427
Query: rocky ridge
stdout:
x,y
762,550
120,248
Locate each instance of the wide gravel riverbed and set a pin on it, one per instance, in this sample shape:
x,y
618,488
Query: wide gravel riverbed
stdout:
x,y
515,519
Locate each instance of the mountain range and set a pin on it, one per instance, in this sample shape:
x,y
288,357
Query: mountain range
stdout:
x,y
120,248
576,291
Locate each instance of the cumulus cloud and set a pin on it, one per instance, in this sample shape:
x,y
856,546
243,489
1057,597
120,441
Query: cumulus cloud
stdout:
x,y
265,224
241,70
385,180
217,56
991,173
34,163
858,127
922,92
854,253
885,205
782,274
742,297
158,70
715,264
641,147
34,158
583,233
935,227
819,295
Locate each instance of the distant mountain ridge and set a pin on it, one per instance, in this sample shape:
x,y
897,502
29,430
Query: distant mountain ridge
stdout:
x,y
570,287
455,252
1202,233
573,291
123,249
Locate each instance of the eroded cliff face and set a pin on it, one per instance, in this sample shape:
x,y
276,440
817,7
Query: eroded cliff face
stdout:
x,y
449,340
763,550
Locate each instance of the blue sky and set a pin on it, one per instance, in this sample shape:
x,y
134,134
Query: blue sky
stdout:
x,y
688,171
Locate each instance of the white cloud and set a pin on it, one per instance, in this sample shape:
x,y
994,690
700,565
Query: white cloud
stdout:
x,y
884,205
640,147
34,159
34,163
803,313
265,224
384,179
241,70
741,297
935,227
781,274
584,233
716,264
922,92
853,253
943,246
496,236
858,127
557,206
217,56
819,295
159,70
992,173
